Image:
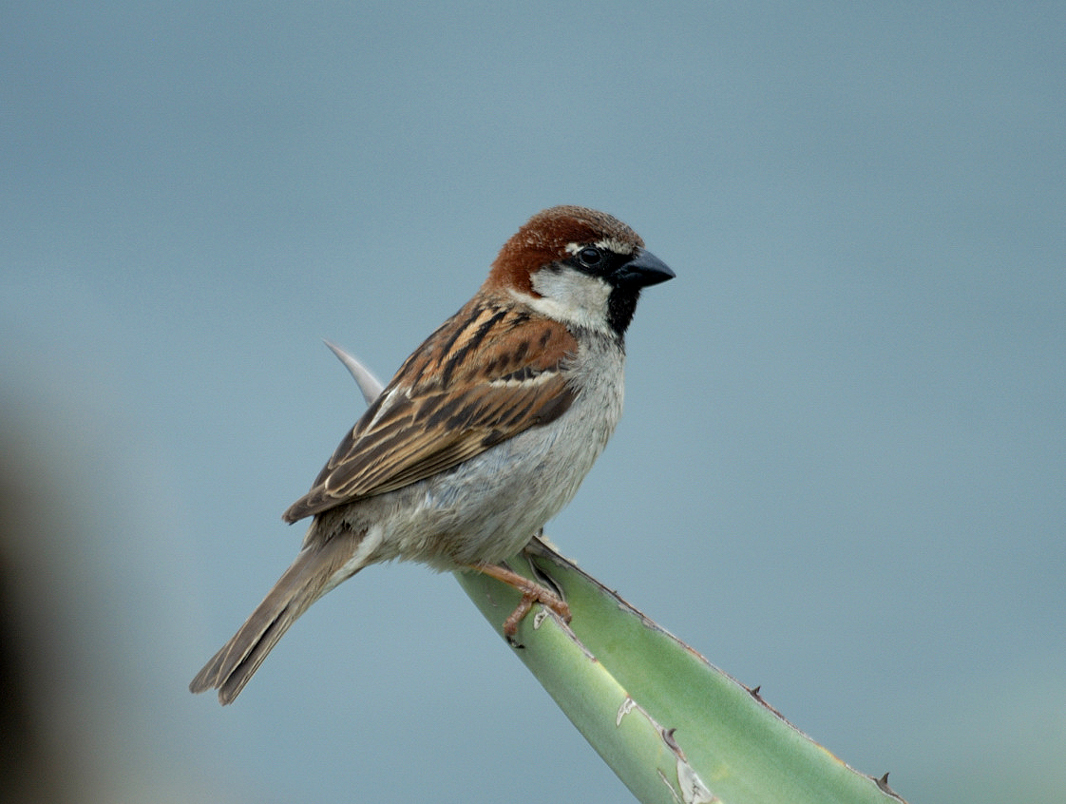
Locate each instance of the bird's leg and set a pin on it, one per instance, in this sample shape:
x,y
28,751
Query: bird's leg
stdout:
x,y
532,592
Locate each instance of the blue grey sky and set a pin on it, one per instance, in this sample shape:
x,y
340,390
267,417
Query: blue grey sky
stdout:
x,y
840,474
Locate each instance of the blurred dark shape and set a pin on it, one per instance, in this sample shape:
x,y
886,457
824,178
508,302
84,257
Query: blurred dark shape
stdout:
x,y
39,762
27,769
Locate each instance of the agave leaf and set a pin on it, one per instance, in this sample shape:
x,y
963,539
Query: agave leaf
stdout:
x,y
673,727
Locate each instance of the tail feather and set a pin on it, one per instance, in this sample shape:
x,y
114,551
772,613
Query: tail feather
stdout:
x,y
309,577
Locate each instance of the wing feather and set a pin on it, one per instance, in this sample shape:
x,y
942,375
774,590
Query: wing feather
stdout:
x,y
489,373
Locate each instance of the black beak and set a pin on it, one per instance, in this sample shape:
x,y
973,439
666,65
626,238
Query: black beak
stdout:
x,y
643,270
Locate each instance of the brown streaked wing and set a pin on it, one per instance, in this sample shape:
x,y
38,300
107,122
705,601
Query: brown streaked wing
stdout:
x,y
488,374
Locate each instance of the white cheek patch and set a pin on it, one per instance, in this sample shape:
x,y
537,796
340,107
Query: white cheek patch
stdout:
x,y
571,297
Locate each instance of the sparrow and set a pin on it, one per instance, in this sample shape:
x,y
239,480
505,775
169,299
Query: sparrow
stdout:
x,y
484,434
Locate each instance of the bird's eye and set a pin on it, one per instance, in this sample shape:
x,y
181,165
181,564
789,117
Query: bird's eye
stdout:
x,y
590,256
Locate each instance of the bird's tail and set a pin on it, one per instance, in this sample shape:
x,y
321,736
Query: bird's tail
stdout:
x,y
310,576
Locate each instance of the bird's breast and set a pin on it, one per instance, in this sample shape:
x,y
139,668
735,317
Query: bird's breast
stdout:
x,y
487,508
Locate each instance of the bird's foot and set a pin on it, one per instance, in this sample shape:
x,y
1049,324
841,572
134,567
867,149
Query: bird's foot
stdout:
x,y
532,593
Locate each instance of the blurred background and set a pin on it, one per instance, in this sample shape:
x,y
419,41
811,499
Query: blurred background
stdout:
x,y
841,470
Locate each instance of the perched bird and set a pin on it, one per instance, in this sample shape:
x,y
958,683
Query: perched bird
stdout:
x,y
483,435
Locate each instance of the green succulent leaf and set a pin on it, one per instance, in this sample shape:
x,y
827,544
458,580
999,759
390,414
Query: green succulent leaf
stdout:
x,y
673,727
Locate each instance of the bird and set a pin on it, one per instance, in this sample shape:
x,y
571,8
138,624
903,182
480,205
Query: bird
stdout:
x,y
482,436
